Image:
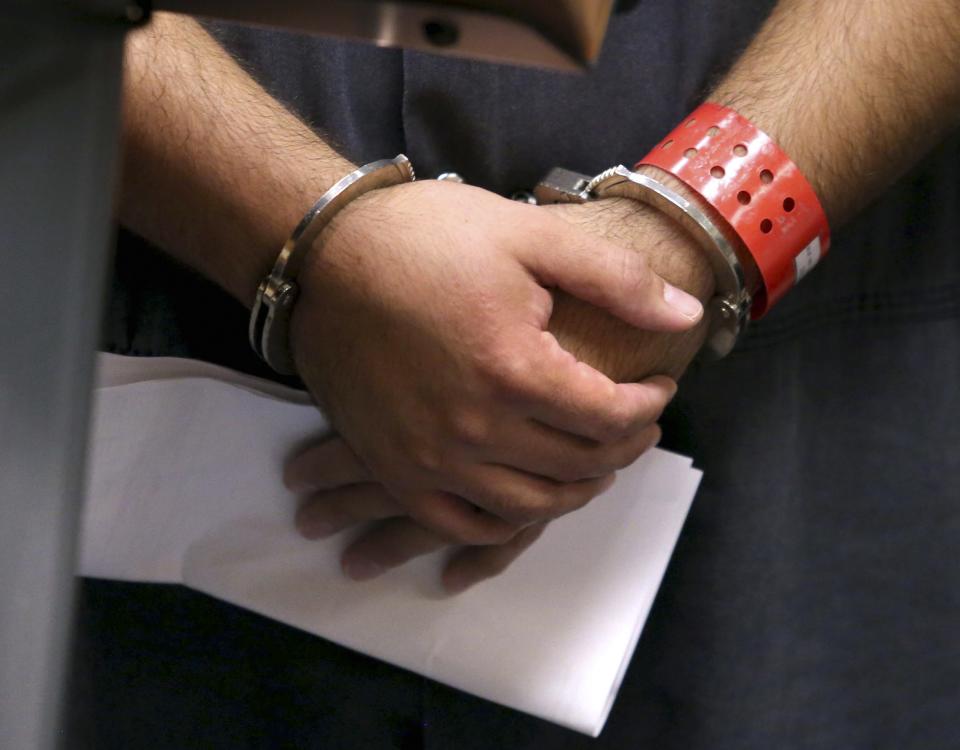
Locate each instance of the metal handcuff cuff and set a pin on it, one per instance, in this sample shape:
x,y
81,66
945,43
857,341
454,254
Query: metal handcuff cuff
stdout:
x,y
269,331
729,309
273,306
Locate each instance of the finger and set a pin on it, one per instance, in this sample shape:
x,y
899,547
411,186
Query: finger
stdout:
x,y
327,513
471,565
550,385
388,545
553,454
456,520
609,276
521,498
323,466
606,413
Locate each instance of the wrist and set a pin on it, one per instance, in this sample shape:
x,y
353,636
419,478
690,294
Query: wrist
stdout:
x,y
620,351
272,226
769,216
666,246
751,273
277,294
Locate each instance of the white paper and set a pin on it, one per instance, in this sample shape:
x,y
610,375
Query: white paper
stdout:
x,y
184,487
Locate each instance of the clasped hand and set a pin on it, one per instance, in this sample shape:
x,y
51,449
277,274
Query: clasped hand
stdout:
x,y
423,332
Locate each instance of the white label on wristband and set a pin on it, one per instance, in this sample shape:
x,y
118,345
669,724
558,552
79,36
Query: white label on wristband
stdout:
x,y
806,259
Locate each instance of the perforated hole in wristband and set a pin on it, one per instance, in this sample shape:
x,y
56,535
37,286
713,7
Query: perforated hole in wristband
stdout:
x,y
738,169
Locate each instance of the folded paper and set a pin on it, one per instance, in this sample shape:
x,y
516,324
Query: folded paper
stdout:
x,y
184,487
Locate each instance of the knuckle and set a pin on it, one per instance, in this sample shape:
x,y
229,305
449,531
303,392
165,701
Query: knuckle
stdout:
x,y
515,505
500,532
520,516
576,496
508,371
569,472
479,534
573,469
459,536
462,524
501,536
425,455
628,456
532,507
620,421
623,456
600,463
470,426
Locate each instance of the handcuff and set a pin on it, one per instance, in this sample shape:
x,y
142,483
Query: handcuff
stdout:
x,y
729,309
269,329
751,208
746,203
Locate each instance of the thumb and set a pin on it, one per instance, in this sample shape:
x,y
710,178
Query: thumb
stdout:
x,y
612,277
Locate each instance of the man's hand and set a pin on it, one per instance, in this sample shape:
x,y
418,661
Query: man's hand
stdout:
x,y
621,352
344,491
423,297
422,331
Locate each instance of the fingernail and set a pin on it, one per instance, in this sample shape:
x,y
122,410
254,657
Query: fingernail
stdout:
x,y
299,487
362,569
658,436
686,304
456,584
662,381
317,529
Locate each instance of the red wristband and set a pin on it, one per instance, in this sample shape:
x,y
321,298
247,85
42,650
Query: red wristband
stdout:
x,y
738,169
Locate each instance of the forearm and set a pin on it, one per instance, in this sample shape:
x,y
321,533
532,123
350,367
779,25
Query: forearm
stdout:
x,y
853,90
216,172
